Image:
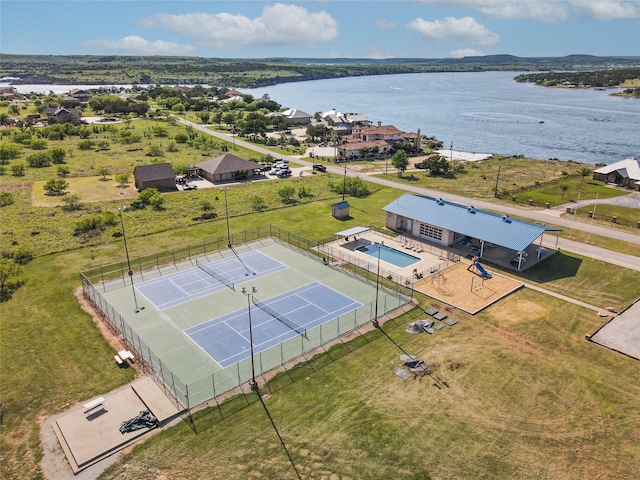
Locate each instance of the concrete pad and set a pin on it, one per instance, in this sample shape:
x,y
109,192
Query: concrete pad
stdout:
x,y
88,438
622,333
154,399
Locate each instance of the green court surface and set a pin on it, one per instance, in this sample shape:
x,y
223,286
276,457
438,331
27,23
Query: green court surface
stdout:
x,y
158,335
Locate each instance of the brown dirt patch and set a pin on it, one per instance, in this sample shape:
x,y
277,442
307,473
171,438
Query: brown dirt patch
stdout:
x,y
464,289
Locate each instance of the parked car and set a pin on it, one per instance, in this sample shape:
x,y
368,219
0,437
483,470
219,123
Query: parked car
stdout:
x,y
319,168
189,186
284,173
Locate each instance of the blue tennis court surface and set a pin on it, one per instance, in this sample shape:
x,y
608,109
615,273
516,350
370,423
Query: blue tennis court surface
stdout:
x,y
226,338
180,287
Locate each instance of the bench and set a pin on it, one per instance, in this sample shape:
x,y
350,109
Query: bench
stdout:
x,y
117,359
98,408
97,404
126,355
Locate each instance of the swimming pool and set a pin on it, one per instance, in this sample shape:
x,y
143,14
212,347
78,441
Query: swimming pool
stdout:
x,y
389,255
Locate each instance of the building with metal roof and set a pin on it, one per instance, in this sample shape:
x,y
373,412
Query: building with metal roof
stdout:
x,y
447,223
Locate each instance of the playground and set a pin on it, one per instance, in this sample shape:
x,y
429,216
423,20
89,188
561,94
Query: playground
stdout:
x,y
466,288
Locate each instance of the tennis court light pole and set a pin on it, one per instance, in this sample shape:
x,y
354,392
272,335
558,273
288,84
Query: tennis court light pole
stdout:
x,y
249,294
375,318
126,251
226,211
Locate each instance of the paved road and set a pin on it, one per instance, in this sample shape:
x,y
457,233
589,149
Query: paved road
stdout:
x,y
544,216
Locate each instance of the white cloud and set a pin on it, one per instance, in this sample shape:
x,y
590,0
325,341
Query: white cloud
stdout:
x,y
465,31
549,11
385,25
279,25
138,45
466,52
607,9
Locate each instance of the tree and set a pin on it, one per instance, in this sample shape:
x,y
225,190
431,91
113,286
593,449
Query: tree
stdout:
x,y
8,270
55,186
123,178
258,203
204,117
105,172
400,161
584,172
155,151
437,165
8,152
57,155
152,197
39,160
564,187
63,171
72,202
287,193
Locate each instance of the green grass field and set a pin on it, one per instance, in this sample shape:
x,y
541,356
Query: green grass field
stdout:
x,y
528,397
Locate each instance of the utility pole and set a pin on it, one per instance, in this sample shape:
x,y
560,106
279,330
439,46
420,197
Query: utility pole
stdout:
x,y
495,190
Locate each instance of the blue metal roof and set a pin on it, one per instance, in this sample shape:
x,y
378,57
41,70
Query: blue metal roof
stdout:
x,y
491,227
342,204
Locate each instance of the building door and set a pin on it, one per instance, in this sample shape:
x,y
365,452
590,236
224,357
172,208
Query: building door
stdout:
x,y
409,225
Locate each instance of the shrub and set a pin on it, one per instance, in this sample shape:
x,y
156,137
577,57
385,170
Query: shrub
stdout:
x,y
63,171
17,169
86,144
258,203
39,160
72,202
38,144
8,152
57,155
6,198
55,186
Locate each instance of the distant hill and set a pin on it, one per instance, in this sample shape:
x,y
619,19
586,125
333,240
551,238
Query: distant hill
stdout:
x,y
100,69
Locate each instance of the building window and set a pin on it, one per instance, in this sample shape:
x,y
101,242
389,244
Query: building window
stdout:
x,y
430,231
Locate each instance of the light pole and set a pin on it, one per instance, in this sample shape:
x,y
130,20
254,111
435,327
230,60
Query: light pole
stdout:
x,y
226,210
126,251
375,318
249,294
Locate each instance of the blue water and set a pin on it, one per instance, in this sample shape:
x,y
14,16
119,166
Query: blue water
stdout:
x,y
389,255
483,112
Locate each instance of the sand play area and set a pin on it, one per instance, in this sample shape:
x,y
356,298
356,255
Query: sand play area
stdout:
x,y
464,289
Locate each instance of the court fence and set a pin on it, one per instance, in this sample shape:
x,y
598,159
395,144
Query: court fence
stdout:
x,y
393,294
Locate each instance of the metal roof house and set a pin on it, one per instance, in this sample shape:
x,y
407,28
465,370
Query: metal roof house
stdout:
x,y
340,210
446,223
625,173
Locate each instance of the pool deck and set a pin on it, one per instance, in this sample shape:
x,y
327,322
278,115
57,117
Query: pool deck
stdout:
x,y
431,259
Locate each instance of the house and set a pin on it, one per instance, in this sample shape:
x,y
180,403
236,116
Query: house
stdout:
x,y
80,95
625,173
297,117
63,115
226,167
160,176
8,93
354,150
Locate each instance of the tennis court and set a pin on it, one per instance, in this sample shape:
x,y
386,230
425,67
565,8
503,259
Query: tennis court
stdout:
x,y
280,318
190,324
207,277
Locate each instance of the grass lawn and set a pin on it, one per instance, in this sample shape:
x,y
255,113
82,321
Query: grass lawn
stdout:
x,y
90,189
527,398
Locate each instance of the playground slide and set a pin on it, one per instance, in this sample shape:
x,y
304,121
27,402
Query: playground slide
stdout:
x,y
481,269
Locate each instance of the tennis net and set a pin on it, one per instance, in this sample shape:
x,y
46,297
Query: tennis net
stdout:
x,y
218,276
281,318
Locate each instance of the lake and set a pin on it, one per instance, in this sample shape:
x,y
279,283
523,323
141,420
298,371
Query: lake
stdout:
x,y
484,112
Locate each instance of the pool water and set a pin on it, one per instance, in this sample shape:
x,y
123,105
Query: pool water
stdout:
x,y
389,255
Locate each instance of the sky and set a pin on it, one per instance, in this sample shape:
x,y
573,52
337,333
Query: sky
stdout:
x,y
321,28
